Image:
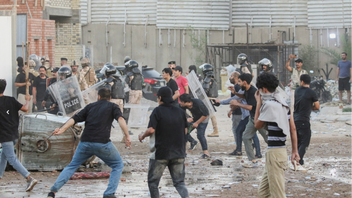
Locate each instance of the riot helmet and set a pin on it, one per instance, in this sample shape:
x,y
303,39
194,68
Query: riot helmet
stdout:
x,y
265,62
132,64
206,67
241,58
126,59
108,70
63,73
85,62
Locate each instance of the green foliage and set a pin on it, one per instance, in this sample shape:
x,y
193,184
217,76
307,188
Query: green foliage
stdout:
x,y
333,54
336,55
199,43
307,54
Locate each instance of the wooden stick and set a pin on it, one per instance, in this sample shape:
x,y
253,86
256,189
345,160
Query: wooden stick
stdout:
x,y
23,50
27,68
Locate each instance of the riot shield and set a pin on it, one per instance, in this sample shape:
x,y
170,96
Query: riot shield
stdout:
x,y
68,95
198,92
90,95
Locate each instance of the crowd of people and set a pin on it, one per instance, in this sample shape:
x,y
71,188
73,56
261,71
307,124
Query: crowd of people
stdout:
x,y
253,107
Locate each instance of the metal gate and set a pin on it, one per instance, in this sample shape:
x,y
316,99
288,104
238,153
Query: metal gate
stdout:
x,y
21,35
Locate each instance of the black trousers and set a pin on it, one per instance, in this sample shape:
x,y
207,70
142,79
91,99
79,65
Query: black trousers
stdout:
x,y
303,138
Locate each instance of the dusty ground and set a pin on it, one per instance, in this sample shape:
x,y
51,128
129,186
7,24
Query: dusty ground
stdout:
x,y
329,155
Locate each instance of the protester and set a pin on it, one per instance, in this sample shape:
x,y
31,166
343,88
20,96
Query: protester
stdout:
x,y
306,100
275,114
250,131
9,121
296,73
95,140
344,77
181,81
21,83
168,126
171,83
199,121
39,87
239,117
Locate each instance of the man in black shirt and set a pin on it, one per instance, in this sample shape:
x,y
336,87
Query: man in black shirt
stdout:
x,y
306,100
245,83
171,83
199,120
9,121
39,87
168,125
20,82
95,140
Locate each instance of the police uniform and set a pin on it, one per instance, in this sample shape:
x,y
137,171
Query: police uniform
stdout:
x,y
211,89
136,81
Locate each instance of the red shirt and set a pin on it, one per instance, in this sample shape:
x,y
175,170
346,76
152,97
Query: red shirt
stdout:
x,y
181,83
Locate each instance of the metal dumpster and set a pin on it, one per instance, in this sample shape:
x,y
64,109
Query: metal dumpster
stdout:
x,y
35,152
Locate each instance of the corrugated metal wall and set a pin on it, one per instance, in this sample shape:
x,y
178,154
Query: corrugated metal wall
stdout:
x,y
329,13
220,14
84,12
267,13
132,11
198,14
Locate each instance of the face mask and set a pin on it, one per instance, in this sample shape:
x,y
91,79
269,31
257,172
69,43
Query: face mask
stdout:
x,y
266,96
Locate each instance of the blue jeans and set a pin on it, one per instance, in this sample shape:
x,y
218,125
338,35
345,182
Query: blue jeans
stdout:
x,y
8,155
236,119
177,172
200,135
239,132
249,134
106,152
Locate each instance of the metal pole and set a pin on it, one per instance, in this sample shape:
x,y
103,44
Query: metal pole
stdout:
x,y
14,44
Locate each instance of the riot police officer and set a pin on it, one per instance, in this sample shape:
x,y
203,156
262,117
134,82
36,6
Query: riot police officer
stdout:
x,y
63,73
114,83
242,60
134,79
265,65
211,89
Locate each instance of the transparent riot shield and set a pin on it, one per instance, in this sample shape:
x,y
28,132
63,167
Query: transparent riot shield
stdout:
x,y
90,95
199,93
68,95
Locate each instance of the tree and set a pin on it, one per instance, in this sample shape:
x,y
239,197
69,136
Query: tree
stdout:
x,y
307,53
336,55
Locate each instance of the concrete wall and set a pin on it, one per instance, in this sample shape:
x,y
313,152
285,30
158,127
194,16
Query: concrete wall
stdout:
x,y
155,53
147,51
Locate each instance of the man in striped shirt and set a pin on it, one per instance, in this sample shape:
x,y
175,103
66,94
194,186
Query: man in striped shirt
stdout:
x,y
273,113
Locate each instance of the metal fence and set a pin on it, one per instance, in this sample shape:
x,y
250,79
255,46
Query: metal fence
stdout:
x,y
223,55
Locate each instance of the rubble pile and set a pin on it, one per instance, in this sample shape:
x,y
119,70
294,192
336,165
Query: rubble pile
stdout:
x,y
332,87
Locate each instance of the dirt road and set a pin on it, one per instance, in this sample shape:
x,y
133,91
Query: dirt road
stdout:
x,y
329,155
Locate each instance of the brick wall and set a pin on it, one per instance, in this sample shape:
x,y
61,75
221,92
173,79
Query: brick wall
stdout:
x,y
73,52
59,3
41,34
68,42
36,11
